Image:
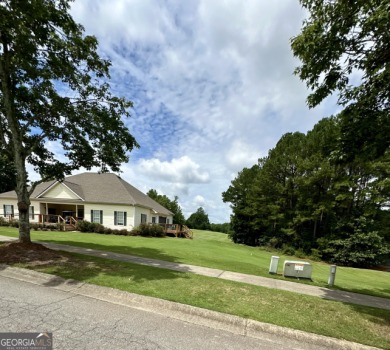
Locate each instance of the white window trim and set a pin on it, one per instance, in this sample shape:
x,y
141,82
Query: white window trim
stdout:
x,y
120,218
96,219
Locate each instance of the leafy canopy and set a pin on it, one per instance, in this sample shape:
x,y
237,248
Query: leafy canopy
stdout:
x,y
344,49
199,220
54,88
300,198
171,205
54,92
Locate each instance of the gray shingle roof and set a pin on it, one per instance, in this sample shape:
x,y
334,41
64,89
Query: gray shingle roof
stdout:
x,y
101,188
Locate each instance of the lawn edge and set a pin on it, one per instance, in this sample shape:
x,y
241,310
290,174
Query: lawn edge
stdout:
x,y
183,312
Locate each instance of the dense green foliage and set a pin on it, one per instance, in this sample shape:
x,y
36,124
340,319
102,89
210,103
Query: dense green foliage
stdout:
x,y
223,228
344,48
301,196
171,205
148,230
199,220
141,230
7,174
54,89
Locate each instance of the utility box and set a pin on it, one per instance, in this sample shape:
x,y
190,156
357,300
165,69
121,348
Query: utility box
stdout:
x,y
273,266
299,269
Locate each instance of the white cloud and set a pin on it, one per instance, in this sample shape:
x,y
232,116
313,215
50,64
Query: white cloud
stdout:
x,y
212,84
199,201
180,170
241,155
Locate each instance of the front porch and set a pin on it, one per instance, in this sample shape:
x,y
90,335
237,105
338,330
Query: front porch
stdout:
x,y
62,214
66,224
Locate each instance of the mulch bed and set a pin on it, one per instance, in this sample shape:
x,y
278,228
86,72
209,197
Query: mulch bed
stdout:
x,y
35,253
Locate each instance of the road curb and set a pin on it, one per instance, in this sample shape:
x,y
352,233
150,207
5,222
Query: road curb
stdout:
x,y
187,313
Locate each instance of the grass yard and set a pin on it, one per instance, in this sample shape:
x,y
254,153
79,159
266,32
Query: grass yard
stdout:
x,y
360,324
215,250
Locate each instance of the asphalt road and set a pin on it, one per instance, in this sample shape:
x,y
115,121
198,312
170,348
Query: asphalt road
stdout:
x,y
79,322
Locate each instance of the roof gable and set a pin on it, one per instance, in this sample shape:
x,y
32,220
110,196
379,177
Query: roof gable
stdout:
x,y
59,190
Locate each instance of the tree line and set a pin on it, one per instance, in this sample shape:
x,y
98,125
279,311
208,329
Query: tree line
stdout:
x,y
304,195
197,221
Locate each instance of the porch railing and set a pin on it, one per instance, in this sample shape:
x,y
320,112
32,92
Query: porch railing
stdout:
x,y
178,230
57,219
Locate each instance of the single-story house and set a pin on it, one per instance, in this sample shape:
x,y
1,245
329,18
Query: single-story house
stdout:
x,y
103,198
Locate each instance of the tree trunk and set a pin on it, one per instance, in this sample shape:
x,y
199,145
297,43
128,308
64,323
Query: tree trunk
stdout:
x,y
24,219
315,229
18,153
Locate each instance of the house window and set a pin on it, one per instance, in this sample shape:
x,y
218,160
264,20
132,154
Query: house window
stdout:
x,y
153,219
31,212
97,216
120,218
80,214
143,218
8,210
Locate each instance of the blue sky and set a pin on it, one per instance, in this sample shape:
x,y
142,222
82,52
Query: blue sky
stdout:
x,y
212,84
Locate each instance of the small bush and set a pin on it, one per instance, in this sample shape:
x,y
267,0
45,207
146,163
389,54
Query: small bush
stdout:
x,y
362,249
315,255
115,232
107,231
300,254
136,231
14,223
148,231
273,243
144,230
156,231
123,232
98,228
83,226
3,222
35,226
288,250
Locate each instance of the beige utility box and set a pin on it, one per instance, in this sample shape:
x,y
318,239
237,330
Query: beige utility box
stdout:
x,y
299,269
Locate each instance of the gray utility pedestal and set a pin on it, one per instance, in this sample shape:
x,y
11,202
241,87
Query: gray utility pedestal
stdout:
x,y
299,269
273,266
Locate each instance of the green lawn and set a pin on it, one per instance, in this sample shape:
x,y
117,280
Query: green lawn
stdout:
x,y
360,324
215,250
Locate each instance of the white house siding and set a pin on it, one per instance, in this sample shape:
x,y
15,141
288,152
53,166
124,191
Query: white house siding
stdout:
x,y
133,213
59,191
108,214
9,202
149,216
14,202
137,215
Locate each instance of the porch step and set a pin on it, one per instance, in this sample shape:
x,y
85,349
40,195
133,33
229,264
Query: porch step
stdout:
x,y
70,227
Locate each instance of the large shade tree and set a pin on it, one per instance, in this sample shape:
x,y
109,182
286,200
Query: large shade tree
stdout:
x,y
54,88
344,49
301,197
199,220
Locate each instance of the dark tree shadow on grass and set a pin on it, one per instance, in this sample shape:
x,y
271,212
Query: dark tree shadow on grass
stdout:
x,y
99,266
377,308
